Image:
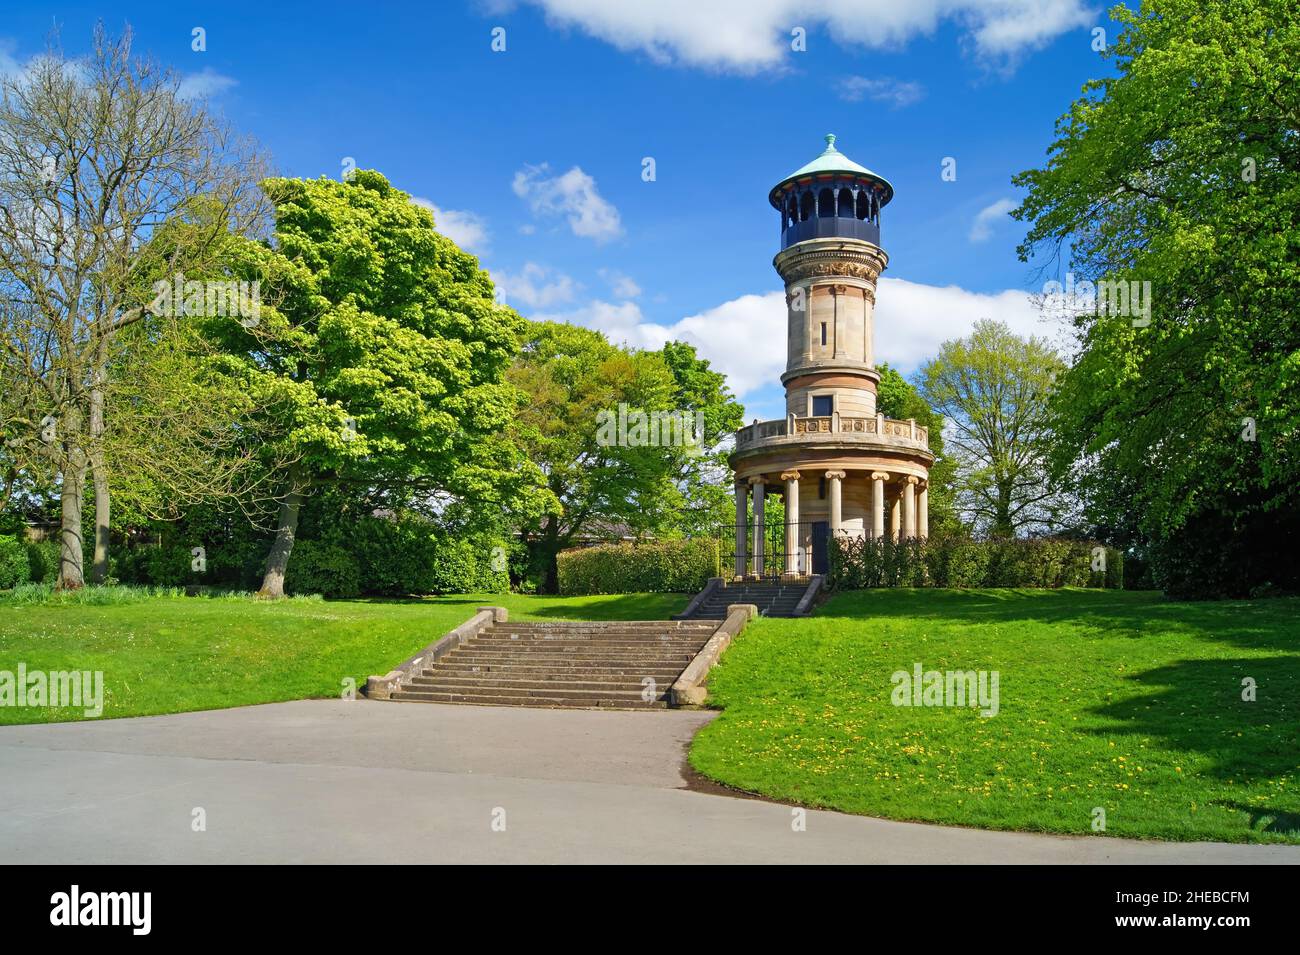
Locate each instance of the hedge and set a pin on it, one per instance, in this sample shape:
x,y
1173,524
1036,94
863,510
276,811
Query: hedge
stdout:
x,y
316,568
670,566
15,566
959,561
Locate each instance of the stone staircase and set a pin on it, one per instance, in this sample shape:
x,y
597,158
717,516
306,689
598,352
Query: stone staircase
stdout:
x,y
774,598
616,665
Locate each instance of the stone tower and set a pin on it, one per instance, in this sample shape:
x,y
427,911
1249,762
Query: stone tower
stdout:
x,y
842,467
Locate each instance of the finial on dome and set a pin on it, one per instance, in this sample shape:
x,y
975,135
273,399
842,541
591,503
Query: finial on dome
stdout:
x,y
830,141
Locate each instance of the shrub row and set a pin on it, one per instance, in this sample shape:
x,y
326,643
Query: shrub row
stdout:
x,y
376,556
959,561
669,566
396,559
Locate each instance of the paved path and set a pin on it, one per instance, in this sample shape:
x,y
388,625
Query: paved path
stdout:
x,y
330,781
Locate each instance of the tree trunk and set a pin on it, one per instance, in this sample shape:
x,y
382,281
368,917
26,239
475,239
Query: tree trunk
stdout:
x,y
550,551
277,562
99,468
1003,526
99,569
71,575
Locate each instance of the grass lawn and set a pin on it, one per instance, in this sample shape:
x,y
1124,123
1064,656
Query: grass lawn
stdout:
x,y
1107,699
171,654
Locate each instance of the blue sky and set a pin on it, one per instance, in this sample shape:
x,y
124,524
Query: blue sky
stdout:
x,y
533,156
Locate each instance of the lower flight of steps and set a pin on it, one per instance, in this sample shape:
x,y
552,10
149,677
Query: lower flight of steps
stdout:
x,y
616,665
773,598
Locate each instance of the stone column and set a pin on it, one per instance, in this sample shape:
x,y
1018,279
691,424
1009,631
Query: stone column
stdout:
x,y
742,518
758,525
909,506
837,511
923,511
878,479
791,479
895,514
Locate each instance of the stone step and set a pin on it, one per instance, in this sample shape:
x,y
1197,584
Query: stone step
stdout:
x,y
721,611
642,665
485,683
557,671
541,641
563,664
570,649
599,639
718,602
654,626
525,651
524,644
630,699
560,702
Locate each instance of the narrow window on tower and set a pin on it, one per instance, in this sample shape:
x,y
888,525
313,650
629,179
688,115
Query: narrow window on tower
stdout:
x,y
823,333
821,488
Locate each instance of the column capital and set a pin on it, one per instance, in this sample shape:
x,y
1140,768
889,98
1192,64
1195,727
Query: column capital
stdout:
x,y
913,479
880,475
789,475
836,475
758,480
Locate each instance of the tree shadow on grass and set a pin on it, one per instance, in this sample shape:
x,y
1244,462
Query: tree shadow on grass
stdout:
x,y
603,607
1259,624
1196,706
1263,819
616,607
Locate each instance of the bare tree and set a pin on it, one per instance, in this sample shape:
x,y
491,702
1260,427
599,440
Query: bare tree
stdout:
x,y
993,389
99,156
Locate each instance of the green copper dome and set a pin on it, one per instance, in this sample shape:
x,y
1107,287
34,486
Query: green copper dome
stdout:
x,y
832,162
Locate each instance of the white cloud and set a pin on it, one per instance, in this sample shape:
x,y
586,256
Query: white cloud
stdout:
x,y
536,286
9,65
895,93
204,84
572,195
981,230
758,320
749,36
623,286
467,229
911,321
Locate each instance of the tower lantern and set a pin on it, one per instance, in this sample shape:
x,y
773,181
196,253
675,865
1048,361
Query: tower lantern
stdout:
x,y
843,468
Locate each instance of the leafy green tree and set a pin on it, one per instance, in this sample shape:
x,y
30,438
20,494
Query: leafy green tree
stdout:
x,y
703,478
575,380
993,387
379,356
1183,170
897,398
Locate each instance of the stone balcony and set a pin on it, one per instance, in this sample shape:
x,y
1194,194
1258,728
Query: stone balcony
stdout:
x,y
868,432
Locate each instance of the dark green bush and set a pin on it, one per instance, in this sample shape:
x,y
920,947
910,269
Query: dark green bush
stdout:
x,y
15,566
316,568
395,557
476,563
1216,555
670,566
1114,569
43,561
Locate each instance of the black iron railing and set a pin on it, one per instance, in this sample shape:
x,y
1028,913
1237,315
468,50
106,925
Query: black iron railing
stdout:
x,y
803,548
